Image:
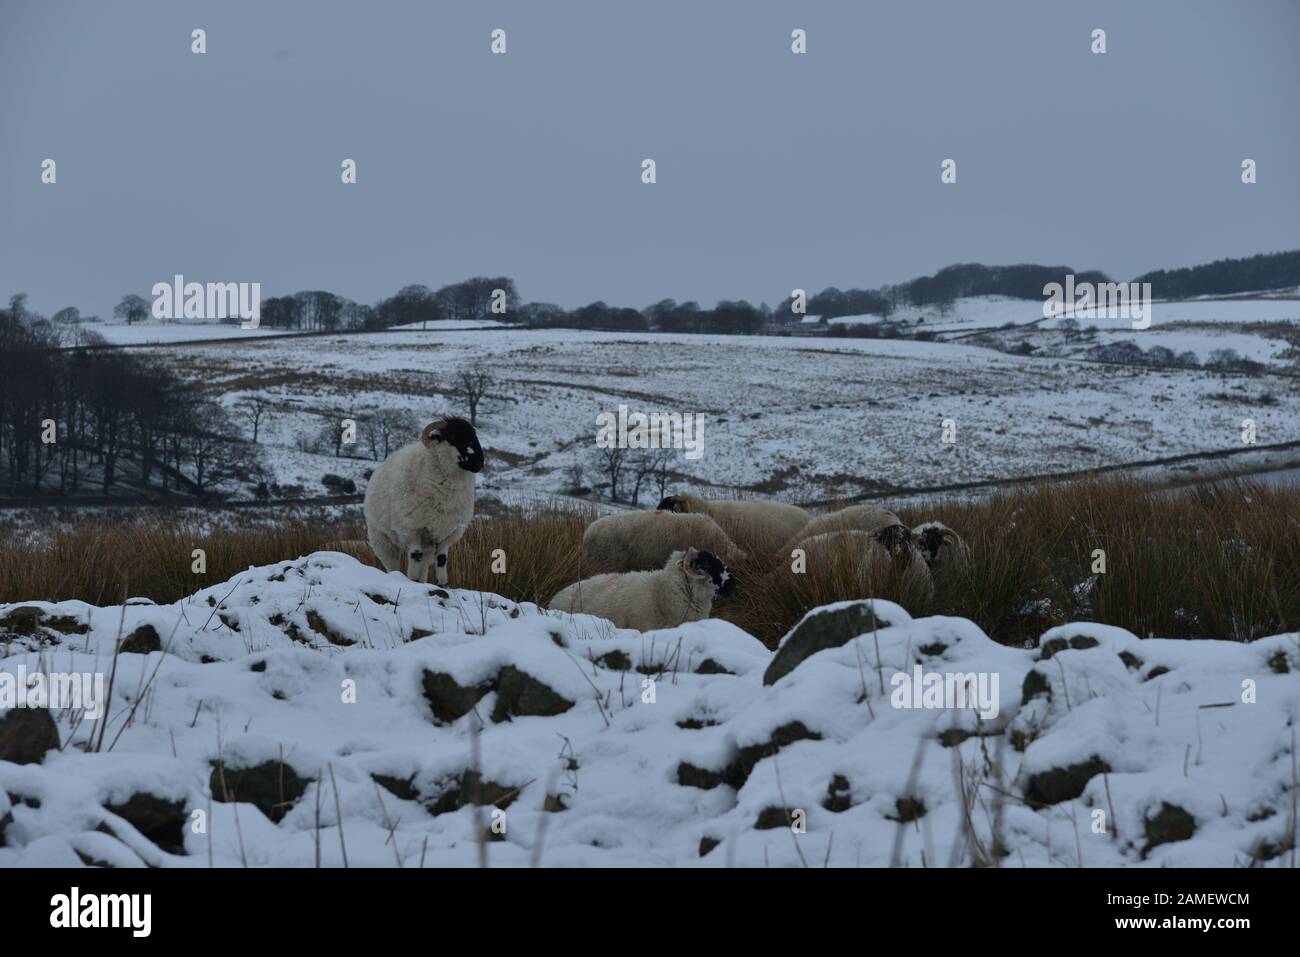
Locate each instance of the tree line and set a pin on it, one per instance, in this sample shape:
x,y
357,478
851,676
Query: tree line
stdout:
x,y
84,421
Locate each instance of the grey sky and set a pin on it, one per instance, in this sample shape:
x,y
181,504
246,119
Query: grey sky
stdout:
x,y
774,170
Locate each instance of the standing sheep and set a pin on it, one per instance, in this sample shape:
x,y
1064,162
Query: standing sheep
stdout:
x,y
757,526
420,499
635,541
681,591
862,518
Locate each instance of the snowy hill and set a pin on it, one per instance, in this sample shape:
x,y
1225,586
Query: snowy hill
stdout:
x,y
320,689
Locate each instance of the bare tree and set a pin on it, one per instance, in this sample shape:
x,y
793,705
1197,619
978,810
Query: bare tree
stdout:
x,y
254,410
474,381
386,430
649,465
610,462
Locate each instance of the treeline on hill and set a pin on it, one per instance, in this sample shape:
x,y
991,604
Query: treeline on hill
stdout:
x,y
484,298
1225,277
95,420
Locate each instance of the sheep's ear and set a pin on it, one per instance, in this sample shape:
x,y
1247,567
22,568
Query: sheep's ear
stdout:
x,y
431,432
691,555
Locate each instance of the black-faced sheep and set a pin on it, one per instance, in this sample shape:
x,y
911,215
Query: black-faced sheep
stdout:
x,y
420,499
757,526
943,548
635,541
681,591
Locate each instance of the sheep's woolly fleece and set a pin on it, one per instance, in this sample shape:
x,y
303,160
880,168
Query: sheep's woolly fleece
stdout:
x,y
1107,750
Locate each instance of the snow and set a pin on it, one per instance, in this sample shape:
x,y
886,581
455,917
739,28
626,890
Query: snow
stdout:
x,y
321,662
821,418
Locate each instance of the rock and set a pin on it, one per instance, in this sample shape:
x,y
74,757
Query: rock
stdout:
x,y
774,817
1156,672
1131,661
449,700
614,661
321,627
1078,643
519,693
737,772
837,795
401,788
1171,823
690,776
710,667
554,803
26,734
820,630
707,844
908,809
141,641
1036,683
271,786
160,820
782,736
1063,784
471,788
24,620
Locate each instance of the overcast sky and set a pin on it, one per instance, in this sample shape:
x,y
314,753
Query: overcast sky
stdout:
x,y
774,170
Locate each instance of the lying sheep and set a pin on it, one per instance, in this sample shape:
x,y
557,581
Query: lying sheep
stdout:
x,y
420,499
889,548
757,526
942,547
683,590
634,541
862,518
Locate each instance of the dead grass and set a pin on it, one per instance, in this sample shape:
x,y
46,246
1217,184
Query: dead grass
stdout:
x,y
1209,562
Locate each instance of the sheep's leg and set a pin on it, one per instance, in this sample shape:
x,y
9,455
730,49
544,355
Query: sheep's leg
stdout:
x,y
389,555
441,556
417,557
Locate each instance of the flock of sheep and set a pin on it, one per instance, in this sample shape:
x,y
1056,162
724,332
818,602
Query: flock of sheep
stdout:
x,y
658,569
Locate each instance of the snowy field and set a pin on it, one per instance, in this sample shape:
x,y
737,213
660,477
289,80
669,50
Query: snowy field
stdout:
x,y
802,418
247,705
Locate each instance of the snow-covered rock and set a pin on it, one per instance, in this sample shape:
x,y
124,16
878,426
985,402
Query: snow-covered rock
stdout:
x,y
319,704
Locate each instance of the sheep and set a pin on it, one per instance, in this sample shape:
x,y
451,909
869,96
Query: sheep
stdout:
x,y
420,499
636,541
888,547
757,526
683,590
863,518
943,548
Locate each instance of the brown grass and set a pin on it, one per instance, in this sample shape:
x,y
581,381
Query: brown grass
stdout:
x,y
1210,562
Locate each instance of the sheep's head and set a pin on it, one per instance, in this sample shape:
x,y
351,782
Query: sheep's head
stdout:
x,y
673,503
454,435
702,564
939,544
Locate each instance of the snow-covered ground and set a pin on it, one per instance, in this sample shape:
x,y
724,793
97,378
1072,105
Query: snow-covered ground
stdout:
x,y
801,418
318,704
